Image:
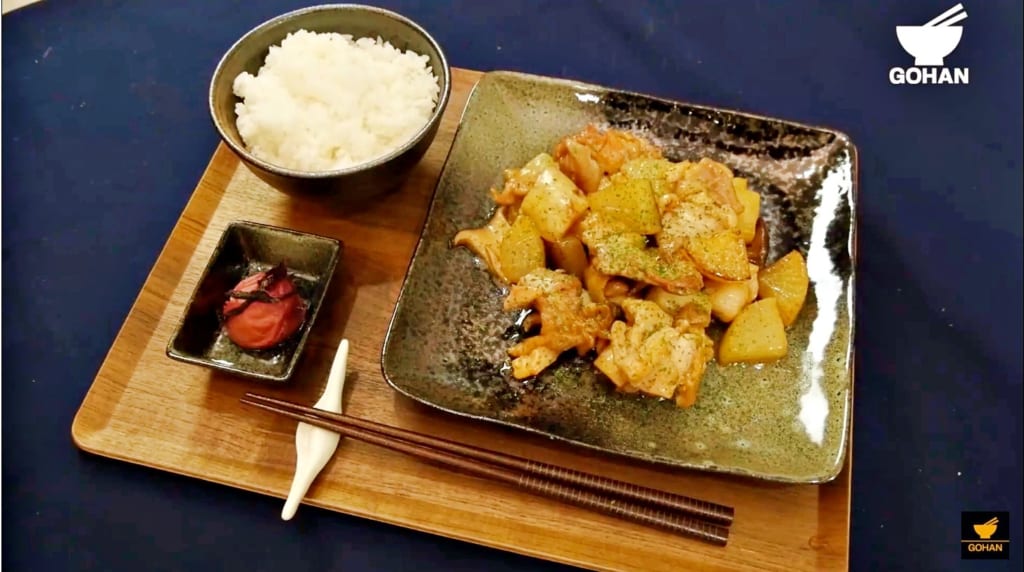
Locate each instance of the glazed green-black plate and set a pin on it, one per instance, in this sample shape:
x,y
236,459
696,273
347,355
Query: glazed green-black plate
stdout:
x,y
785,421
244,249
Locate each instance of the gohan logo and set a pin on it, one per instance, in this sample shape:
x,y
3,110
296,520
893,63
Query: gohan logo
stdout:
x,y
930,44
985,535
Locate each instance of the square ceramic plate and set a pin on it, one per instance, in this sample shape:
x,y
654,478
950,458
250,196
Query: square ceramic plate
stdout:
x,y
786,421
244,249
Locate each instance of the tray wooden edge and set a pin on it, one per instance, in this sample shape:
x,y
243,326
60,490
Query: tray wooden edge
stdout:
x,y
80,435
83,437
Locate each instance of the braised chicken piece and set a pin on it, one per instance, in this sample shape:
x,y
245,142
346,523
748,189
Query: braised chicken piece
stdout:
x,y
592,154
684,218
648,354
707,176
700,216
568,319
485,242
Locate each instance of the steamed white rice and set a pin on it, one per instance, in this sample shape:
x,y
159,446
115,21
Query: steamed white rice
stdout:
x,y
328,101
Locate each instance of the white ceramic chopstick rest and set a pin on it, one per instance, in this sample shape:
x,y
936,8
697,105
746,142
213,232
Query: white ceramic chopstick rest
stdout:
x,y
315,446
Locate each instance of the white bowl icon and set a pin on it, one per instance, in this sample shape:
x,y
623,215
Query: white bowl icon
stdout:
x,y
929,44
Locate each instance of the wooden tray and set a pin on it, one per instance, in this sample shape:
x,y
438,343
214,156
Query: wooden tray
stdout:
x,y
147,409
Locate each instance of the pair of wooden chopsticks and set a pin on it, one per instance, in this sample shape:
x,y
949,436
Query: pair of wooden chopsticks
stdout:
x,y
703,520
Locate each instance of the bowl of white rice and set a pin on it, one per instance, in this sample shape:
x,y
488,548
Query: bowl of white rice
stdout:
x,y
334,100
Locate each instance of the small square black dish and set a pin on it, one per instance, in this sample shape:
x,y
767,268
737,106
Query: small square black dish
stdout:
x,y
244,249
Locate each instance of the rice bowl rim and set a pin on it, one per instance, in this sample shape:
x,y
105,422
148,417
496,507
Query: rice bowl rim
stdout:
x,y
444,77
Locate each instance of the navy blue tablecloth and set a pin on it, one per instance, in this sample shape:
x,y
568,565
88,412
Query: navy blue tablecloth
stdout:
x,y
105,133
